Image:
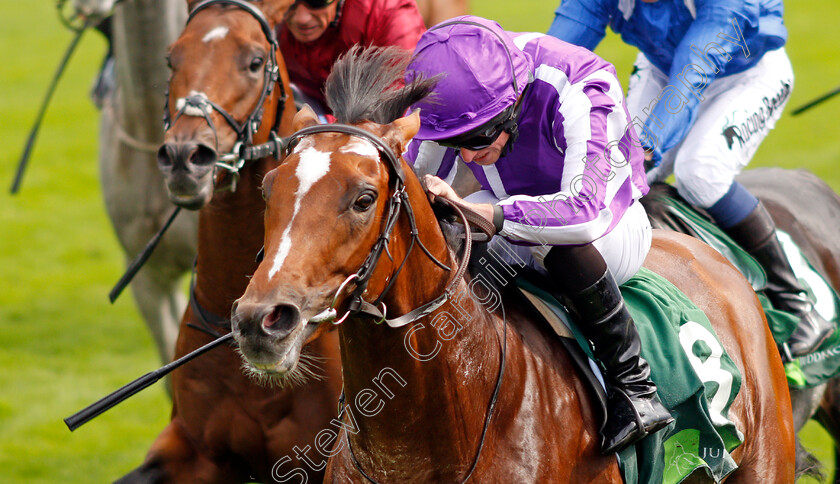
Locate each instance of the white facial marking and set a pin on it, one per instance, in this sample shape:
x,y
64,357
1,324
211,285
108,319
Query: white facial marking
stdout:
x,y
191,110
217,33
361,147
312,167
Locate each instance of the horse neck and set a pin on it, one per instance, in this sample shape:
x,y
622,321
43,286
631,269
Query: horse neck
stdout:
x,y
416,372
143,30
230,234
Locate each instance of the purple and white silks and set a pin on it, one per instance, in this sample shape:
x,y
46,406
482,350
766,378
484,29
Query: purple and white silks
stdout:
x,y
577,165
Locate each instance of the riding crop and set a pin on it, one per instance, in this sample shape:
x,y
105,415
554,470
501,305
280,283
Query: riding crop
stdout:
x,y
106,403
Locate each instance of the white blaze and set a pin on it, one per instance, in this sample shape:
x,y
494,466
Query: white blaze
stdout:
x,y
312,167
217,33
361,147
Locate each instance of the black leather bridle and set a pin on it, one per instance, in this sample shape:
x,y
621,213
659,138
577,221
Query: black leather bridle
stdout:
x,y
397,202
244,149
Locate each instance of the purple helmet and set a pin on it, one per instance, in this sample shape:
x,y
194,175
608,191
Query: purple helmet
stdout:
x,y
478,60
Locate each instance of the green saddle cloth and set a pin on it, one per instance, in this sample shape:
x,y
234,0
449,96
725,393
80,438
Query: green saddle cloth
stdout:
x,y
807,371
696,379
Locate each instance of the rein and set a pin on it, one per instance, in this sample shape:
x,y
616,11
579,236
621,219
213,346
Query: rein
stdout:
x,y
397,201
359,306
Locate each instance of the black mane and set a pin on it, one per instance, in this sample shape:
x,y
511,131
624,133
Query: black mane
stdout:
x,y
362,85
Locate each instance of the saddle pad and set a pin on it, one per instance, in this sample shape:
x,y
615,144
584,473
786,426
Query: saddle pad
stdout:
x,y
807,371
696,379
712,235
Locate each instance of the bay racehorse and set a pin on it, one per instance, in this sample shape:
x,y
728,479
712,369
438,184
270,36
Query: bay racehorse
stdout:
x,y
225,427
130,132
453,390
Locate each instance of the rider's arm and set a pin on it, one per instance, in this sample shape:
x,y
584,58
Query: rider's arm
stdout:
x,y
582,22
588,118
713,32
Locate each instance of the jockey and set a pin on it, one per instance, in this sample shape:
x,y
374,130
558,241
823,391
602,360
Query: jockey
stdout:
x,y
542,125
315,33
710,82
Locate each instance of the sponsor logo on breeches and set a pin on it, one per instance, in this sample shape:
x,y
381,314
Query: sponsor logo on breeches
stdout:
x,y
755,122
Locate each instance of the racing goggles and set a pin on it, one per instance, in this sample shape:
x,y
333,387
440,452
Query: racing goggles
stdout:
x,y
314,4
484,136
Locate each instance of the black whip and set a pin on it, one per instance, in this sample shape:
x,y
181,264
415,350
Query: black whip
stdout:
x,y
819,100
106,403
30,141
141,258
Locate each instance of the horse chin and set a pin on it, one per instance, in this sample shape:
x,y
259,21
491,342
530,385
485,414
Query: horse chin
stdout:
x,y
280,363
295,368
192,201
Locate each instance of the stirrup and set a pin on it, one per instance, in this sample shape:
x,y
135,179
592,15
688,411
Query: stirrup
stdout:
x,y
621,408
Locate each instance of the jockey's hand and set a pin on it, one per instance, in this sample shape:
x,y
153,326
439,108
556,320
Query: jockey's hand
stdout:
x,y
435,187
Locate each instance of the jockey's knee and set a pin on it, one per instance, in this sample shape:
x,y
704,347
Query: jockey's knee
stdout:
x,y
702,184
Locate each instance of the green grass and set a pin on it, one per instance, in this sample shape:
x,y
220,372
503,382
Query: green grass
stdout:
x,y
64,345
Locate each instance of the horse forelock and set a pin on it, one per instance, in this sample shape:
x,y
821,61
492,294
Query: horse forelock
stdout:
x,y
363,85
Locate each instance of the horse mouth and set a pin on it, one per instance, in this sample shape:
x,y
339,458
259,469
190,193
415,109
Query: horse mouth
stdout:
x,y
262,359
190,201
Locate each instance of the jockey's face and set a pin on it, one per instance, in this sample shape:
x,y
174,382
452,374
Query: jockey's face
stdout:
x,y
307,23
489,155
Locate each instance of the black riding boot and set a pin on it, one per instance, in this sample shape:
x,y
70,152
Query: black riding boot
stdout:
x,y
757,235
633,407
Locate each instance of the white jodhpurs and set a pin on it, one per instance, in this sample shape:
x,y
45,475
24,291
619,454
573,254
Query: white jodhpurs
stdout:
x,y
737,114
624,248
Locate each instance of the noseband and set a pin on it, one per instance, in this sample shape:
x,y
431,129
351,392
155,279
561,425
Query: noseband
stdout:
x,y
244,149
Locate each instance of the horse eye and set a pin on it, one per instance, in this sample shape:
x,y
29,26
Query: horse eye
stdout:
x,y
256,64
364,202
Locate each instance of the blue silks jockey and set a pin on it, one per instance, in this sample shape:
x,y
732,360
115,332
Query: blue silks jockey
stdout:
x,y
709,84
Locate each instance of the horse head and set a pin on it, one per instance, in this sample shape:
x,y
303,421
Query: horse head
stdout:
x,y
325,212
226,94
339,221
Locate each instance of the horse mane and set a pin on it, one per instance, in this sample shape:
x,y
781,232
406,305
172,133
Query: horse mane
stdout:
x,y
366,85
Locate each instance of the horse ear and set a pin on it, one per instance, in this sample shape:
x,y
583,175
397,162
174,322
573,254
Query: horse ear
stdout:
x,y
304,118
403,129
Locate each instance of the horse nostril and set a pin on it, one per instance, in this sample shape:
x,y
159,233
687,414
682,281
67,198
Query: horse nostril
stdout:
x,y
165,155
281,320
233,308
203,155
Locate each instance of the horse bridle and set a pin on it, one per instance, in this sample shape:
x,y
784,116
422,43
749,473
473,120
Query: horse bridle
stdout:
x,y
397,202
358,306
244,149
